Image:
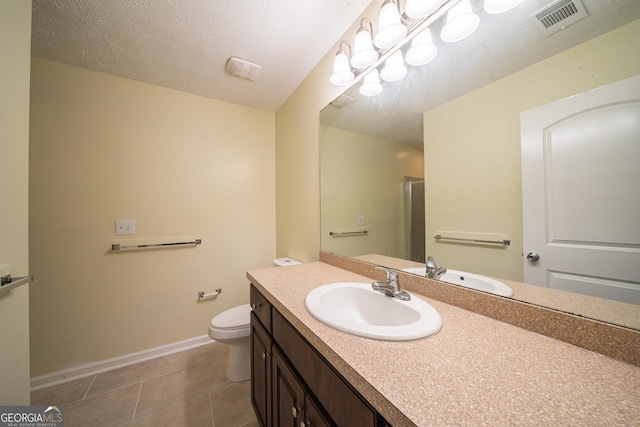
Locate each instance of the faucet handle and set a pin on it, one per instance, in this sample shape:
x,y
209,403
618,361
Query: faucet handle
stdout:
x,y
431,263
392,276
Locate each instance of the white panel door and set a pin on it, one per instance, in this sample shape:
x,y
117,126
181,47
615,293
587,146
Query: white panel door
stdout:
x,y
581,192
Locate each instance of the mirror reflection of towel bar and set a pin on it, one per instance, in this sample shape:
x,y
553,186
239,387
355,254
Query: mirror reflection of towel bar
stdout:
x,y
504,242
348,233
117,247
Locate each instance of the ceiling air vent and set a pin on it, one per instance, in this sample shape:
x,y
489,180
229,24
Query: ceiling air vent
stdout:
x,y
558,15
342,101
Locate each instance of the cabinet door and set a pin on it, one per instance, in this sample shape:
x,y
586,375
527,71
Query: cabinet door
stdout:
x,y
287,394
313,415
260,372
335,395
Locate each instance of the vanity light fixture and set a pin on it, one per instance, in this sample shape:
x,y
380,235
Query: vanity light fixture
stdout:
x,y
461,22
421,8
500,6
394,68
422,50
342,73
391,30
363,52
371,85
394,28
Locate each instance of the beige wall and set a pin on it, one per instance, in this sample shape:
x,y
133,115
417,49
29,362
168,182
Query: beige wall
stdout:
x,y
481,131
15,50
364,176
183,166
298,161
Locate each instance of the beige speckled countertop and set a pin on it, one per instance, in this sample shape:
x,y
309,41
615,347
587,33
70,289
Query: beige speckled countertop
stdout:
x,y
475,371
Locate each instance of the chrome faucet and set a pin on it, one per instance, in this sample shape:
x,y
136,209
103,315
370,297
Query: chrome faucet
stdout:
x,y
391,287
433,271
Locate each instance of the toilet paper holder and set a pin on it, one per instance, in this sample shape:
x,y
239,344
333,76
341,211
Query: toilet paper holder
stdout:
x,y
202,295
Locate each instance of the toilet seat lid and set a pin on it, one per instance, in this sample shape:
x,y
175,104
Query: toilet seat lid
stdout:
x,y
234,318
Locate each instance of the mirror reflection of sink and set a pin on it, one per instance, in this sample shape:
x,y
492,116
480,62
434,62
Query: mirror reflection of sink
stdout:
x,y
468,280
359,310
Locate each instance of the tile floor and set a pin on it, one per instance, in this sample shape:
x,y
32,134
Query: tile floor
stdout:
x,y
188,388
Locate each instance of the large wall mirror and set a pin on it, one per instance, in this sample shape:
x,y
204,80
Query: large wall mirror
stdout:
x,y
439,152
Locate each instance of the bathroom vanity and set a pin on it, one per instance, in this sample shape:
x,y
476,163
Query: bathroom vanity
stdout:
x,y
294,385
475,371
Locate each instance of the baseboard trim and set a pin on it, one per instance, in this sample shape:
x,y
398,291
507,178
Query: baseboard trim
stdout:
x,y
94,368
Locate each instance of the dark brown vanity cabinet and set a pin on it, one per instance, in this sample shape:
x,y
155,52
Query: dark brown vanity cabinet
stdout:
x,y
291,384
292,404
260,372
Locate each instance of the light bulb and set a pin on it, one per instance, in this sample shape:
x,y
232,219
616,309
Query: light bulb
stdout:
x,y
364,53
342,73
422,50
371,85
421,8
500,6
394,68
390,28
461,22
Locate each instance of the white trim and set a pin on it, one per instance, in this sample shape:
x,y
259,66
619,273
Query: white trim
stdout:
x,y
94,368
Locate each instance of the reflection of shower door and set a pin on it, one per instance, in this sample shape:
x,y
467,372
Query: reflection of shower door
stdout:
x,y
415,228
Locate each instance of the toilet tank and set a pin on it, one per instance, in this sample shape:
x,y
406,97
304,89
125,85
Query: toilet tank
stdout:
x,y
285,262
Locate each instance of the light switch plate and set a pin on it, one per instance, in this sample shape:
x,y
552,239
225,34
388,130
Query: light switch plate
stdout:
x,y
125,226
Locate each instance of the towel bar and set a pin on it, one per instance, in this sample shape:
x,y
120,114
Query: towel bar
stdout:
x,y
348,233
117,247
505,242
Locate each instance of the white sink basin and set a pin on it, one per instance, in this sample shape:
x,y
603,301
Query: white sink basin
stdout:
x,y
469,280
359,310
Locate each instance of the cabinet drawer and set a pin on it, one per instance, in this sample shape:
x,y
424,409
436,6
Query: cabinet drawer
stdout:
x,y
261,307
338,399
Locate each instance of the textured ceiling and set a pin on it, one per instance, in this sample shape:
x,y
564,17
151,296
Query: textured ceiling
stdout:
x,y
185,44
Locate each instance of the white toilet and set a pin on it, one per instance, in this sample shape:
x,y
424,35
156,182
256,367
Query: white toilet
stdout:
x,y
232,327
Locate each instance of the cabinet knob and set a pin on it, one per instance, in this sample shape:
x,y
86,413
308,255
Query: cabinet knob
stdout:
x,y
295,411
305,424
254,306
264,355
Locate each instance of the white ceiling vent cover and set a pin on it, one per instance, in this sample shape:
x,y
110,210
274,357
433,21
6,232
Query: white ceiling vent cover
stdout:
x,y
558,15
342,101
243,68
